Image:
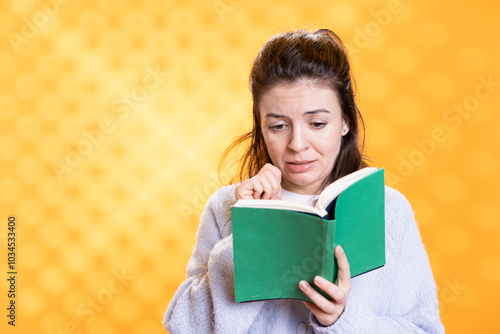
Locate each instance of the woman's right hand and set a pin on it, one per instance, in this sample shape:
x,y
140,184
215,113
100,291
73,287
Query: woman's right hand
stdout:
x,y
265,185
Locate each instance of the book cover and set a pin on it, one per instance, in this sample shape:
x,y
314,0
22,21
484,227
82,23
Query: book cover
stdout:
x,y
275,248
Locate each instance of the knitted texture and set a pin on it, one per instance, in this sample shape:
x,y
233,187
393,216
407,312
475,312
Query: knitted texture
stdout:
x,y
399,297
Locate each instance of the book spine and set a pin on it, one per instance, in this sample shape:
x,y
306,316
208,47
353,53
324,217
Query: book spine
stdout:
x,y
327,269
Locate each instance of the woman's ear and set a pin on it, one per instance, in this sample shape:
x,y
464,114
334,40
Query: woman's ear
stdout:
x,y
345,128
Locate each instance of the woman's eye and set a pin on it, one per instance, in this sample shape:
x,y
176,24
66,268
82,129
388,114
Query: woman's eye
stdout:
x,y
277,127
318,125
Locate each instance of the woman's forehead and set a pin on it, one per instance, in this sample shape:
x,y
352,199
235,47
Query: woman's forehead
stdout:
x,y
299,93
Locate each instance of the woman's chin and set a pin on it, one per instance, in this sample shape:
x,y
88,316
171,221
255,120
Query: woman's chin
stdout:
x,y
302,184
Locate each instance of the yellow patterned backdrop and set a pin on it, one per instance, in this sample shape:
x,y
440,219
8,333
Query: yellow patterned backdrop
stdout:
x,y
113,115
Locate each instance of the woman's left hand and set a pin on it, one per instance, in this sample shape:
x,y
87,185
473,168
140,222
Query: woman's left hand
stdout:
x,y
328,311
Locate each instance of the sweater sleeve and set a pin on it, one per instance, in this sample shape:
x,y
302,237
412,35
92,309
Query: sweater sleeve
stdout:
x,y
205,302
411,301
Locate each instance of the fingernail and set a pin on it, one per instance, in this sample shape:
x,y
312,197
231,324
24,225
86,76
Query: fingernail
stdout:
x,y
303,285
341,250
319,280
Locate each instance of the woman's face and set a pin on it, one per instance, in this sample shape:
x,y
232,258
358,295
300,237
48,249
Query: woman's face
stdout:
x,y
303,126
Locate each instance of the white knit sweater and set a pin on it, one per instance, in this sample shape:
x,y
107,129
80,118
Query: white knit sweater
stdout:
x,y
397,298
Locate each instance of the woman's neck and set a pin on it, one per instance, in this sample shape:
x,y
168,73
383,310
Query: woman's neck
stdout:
x,y
310,189
298,198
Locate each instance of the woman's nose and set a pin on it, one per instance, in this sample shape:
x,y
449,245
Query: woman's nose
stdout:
x,y
298,141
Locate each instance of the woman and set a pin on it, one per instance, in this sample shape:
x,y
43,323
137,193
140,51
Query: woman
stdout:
x,y
305,136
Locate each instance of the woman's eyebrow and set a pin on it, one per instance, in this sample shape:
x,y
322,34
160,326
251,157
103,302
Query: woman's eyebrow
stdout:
x,y
316,111
274,115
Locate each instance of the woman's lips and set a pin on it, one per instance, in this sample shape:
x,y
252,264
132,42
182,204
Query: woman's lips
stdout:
x,y
300,166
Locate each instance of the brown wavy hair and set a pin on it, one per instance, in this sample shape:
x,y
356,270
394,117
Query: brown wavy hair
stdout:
x,y
286,58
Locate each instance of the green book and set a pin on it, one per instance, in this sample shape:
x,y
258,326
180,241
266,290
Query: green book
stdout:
x,y
277,243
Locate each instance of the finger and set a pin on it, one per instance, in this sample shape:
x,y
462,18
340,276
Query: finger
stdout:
x,y
277,173
313,308
273,175
337,293
321,302
244,190
326,319
272,169
267,186
262,186
256,188
275,185
344,274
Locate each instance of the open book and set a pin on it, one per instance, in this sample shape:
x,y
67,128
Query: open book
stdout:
x,y
278,243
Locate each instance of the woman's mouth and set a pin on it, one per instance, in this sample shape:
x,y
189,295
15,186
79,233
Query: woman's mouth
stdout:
x,y
300,165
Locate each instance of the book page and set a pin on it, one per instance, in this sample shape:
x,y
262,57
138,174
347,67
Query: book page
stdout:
x,y
277,204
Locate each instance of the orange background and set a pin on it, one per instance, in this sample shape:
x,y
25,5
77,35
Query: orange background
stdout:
x,y
113,115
